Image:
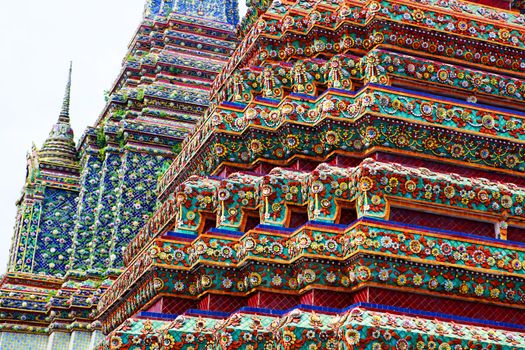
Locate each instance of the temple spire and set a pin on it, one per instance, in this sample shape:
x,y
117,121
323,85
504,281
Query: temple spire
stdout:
x,y
59,148
64,113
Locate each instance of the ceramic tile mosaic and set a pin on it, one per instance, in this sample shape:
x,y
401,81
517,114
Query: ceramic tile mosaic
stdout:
x,y
318,175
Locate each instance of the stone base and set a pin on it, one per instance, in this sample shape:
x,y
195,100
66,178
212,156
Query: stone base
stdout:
x,y
76,340
18,341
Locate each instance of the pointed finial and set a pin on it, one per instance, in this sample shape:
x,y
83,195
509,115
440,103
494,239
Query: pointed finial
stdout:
x,y
64,113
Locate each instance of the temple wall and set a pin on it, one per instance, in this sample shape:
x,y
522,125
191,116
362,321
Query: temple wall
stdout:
x,y
18,341
58,340
55,341
80,340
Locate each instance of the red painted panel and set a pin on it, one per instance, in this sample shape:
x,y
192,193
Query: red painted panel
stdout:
x,y
222,303
495,3
156,307
516,234
326,298
361,296
172,305
274,301
177,306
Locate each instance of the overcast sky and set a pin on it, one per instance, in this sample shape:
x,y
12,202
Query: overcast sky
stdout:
x,y
37,41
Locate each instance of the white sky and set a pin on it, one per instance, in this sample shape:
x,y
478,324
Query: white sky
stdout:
x,y
37,41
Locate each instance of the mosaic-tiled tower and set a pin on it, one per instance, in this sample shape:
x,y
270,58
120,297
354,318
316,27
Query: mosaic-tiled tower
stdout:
x,y
46,208
357,183
82,204
337,175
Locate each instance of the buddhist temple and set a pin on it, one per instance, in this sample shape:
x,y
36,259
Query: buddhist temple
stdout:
x,y
318,174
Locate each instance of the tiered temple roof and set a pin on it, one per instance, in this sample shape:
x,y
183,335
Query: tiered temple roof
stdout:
x,y
353,153
332,175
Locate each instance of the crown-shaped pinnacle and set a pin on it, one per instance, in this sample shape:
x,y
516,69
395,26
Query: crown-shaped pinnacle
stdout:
x,y
64,113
